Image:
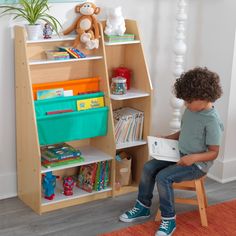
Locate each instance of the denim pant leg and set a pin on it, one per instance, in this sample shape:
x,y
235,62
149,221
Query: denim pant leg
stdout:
x,y
147,183
165,179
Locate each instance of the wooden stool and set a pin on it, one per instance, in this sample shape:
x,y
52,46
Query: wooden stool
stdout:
x,y
201,200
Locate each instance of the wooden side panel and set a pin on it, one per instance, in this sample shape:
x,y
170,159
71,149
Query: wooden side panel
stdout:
x,y
132,57
28,154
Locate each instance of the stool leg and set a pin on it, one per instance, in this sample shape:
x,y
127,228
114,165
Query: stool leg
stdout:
x,y
204,193
158,215
201,202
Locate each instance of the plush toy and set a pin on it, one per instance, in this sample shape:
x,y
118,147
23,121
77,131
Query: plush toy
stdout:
x,y
115,23
86,26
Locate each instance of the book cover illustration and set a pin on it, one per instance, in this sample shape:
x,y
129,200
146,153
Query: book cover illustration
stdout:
x,y
87,176
59,151
57,163
90,103
50,93
73,52
163,149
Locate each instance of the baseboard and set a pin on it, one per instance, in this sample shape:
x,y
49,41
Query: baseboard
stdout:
x,y
8,185
223,171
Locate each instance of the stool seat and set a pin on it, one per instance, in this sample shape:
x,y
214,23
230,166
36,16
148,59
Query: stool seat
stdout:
x,y
201,199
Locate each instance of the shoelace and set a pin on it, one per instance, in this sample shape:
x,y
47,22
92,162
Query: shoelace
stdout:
x,y
133,211
164,224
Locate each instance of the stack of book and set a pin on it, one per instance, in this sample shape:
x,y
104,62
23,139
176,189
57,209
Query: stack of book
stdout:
x,y
73,52
128,125
94,176
59,154
119,38
55,55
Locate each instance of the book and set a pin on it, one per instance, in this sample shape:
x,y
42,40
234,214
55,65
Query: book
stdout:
x,y
73,52
56,55
163,149
90,103
58,111
128,124
119,38
86,178
50,93
69,161
59,151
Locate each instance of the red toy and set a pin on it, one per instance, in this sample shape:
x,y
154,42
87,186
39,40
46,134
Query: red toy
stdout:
x,y
68,185
123,72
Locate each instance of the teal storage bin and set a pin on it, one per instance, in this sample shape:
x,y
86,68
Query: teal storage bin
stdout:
x,y
72,125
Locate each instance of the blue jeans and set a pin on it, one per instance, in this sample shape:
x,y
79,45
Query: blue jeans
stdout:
x,y
164,173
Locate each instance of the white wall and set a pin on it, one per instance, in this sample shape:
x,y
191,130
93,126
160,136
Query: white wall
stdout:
x,y
210,42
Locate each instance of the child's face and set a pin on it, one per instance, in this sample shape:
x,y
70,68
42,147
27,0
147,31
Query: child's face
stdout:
x,y
198,105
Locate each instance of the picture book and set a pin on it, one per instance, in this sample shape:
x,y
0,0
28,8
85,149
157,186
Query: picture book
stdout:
x,y
68,161
90,103
50,93
56,55
97,178
163,149
86,178
59,151
58,111
119,38
73,52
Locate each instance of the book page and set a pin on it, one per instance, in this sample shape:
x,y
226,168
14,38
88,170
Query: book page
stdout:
x,y
163,149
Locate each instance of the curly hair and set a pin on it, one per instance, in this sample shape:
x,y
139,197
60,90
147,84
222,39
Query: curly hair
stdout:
x,y
198,84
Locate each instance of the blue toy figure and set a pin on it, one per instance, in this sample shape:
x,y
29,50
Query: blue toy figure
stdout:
x,y
47,31
49,184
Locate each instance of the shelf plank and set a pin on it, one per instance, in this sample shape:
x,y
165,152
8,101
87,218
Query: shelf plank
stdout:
x,y
126,189
130,144
77,193
90,154
122,43
131,93
54,38
42,62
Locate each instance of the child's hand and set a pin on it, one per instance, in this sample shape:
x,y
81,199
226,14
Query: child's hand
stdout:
x,y
185,161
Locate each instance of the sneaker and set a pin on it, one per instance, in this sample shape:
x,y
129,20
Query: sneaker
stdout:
x,y
167,227
138,212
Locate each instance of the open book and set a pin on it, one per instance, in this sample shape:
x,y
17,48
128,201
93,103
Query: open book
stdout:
x,y
163,149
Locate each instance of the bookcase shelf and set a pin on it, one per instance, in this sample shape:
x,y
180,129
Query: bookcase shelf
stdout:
x,y
90,154
43,62
130,144
53,39
130,54
122,43
78,193
131,93
32,68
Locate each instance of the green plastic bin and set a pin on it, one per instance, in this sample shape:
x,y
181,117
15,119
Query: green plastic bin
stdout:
x,y
69,126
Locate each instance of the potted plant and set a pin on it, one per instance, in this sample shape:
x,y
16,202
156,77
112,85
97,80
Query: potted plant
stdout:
x,y
32,11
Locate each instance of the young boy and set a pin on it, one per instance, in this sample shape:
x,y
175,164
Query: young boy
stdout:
x,y
199,142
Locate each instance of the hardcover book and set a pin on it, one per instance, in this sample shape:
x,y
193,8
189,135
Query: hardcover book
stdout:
x,y
90,103
69,161
50,93
86,178
59,151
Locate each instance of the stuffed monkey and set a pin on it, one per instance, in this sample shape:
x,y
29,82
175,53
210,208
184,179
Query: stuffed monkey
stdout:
x,y
86,26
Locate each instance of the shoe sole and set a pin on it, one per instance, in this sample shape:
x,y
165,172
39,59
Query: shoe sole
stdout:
x,y
168,234
134,219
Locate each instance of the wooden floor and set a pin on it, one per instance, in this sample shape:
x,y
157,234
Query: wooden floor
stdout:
x,y
89,219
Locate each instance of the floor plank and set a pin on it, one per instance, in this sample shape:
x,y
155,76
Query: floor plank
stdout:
x,y
89,219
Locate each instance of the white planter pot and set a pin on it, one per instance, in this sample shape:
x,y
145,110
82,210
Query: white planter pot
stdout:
x,y
34,31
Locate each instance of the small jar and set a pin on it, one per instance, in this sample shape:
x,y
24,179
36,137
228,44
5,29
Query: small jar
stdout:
x,y
118,85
